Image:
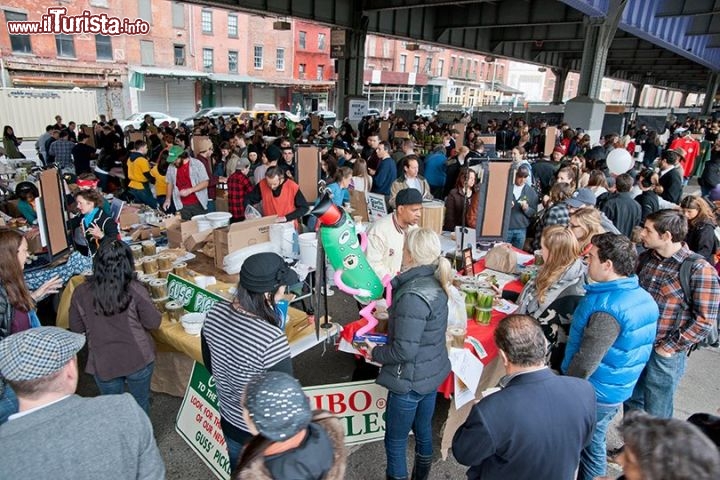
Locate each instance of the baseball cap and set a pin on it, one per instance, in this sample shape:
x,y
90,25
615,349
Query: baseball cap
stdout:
x,y
584,197
341,145
37,352
277,405
265,272
173,153
680,130
408,196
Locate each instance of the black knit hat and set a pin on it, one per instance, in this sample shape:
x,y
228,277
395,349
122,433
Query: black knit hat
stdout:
x,y
273,153
265,272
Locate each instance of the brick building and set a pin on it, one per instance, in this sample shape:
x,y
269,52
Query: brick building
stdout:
x,y
314,70
93,62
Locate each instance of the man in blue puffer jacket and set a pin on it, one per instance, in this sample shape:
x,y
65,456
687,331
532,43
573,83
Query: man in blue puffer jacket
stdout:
x,y
611,337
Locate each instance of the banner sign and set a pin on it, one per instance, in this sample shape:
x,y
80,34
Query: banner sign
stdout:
x,y
192,297
359,405
198,422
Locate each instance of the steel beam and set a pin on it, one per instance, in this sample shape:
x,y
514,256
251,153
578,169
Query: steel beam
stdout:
x,y
684,8
385,5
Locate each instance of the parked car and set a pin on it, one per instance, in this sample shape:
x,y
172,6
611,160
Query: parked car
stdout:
x,y
427,113
374,112
328,117
136,119
213,113
266,114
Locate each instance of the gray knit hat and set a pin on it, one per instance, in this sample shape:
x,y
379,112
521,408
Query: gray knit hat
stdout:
x,y
277,405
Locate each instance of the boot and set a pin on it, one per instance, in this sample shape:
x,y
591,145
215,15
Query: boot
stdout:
x,y
421,469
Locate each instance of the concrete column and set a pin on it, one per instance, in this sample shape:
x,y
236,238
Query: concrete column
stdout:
x,y
710,93
560,80
683,98
351,68
638,94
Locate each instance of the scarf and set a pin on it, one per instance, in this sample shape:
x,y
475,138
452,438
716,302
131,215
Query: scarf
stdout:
x,y
88,218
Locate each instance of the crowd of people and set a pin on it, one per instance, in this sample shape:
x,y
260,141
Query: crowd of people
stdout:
x,y
606,323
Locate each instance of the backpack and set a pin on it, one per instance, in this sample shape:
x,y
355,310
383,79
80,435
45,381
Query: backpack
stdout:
x,y
711,340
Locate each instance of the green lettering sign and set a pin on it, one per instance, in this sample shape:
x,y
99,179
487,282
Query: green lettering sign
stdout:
x,y
193,298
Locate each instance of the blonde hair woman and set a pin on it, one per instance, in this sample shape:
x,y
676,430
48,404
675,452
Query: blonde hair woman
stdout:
x,y
414,361
584,223
551,297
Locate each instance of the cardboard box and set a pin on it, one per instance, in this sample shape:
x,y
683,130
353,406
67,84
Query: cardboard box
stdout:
x,y
239,235
221,204
128,217
185,234
145,232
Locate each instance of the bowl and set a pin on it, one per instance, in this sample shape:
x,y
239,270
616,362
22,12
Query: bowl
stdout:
x,y
192,323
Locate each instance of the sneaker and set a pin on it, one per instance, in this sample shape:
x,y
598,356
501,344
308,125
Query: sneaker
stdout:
x,y
613,453
326,290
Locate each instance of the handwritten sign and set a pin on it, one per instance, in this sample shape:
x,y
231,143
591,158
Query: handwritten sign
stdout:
x,y
377,208
192,297
357,109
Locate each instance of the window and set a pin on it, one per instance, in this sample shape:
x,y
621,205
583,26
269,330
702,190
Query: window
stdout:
x,y
103,47
475,69
207,57
178,15
147,52
232,26
403,62
99,3
440,67
179,55
258,57
371,46
19,43
320,72
416,64
386,48
459,70
301,40
482,70
206,21
280,59
452,66
65,46
321,41
232,61
467,68
428,66
301,71
145,10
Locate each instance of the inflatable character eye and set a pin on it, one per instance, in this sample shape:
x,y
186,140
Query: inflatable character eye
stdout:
x,y
350,262
344,237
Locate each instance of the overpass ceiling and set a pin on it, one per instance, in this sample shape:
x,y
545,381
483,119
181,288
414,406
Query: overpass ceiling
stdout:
x,y
668,43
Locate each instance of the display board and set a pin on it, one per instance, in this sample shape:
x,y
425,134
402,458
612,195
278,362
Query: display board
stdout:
x,y
495,201
307,170
52,203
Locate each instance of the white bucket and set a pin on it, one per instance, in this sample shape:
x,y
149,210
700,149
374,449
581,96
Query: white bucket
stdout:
x,y
308,248
285,236
202,222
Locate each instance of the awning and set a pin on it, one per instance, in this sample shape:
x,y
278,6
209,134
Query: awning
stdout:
x,y
230,78
501,87
168,72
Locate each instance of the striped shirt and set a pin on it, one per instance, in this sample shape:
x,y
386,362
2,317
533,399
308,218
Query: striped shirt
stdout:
x,y
241,346
677,329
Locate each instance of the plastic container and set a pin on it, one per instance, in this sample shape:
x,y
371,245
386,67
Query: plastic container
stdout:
x,y
202,222
284,235
158,288
219,219
149,248
174,310
192,323
308,248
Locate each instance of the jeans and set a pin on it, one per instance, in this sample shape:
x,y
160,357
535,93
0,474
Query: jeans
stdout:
x,y
144,195
235,448
405,412
656,386
8,402
516,237
593,459
138,385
